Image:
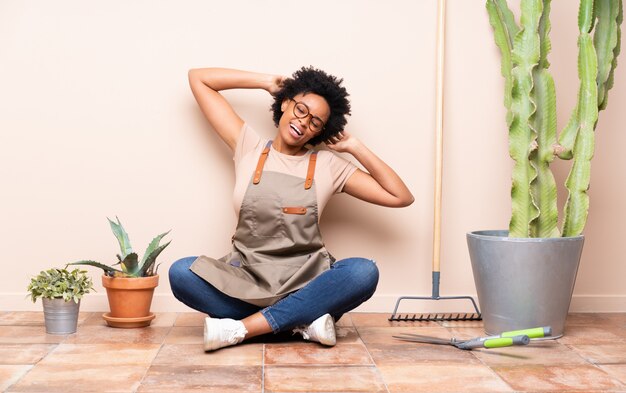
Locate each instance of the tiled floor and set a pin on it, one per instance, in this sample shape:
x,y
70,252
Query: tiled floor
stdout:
x,y
168,357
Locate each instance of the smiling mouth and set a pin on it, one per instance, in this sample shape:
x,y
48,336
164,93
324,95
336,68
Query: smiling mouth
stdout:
x,y
295,129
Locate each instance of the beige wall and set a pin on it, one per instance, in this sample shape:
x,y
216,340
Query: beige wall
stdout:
x,y
96,120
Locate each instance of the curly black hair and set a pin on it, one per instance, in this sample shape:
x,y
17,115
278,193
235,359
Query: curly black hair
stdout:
x,y
312,80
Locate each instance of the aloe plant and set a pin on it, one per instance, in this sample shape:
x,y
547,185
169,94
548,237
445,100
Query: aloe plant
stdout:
x,y
530,100
128,260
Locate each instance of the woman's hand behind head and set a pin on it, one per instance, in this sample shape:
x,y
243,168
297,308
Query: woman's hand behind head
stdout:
x,y
343,142
276,84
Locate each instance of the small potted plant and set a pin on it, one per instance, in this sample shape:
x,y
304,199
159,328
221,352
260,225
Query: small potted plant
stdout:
x,y
60,291
131,287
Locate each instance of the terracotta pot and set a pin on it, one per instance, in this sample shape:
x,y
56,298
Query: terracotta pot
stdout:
x,y
129,300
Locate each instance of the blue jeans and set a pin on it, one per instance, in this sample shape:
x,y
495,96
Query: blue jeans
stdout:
x,y
343,287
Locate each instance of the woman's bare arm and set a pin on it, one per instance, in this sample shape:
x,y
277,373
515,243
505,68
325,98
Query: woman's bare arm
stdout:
x,y
380,184
206,83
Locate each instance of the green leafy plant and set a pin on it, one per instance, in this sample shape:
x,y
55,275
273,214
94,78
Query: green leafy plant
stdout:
x,y
60,284
530,99
130,265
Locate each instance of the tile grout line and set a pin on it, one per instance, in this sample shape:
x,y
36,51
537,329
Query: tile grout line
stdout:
x,y
263,369
572,349
32,366
143,377
382,378
597,366
322,365
491,370
569,348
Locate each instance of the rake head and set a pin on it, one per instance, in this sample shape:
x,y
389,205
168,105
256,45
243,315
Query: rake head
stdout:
x,y
437,317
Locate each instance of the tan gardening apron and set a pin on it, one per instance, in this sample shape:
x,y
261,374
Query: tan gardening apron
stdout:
x,y
277,246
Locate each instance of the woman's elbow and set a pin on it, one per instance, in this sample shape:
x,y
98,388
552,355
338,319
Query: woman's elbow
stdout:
x,y
402,201
406,201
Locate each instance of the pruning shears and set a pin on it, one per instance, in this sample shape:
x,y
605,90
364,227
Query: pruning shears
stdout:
x,y
505,339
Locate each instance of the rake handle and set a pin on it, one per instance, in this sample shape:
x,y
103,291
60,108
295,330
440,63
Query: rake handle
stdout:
x,y
441,28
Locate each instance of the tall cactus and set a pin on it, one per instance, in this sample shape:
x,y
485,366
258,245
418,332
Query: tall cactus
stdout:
x,y
530,100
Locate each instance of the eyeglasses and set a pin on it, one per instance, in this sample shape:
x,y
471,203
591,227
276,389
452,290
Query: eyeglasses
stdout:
x,y
301,111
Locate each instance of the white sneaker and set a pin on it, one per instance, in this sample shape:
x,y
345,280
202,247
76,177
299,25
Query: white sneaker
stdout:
x,y
219,333
322,330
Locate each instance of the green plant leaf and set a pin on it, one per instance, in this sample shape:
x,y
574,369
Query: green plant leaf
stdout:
x,y
616,51
151,259
567,137
508,18
543,187
121,236
106,268
60,284
544,35
130,265
586,16
504,27
577,204
152,246
522,136
606,41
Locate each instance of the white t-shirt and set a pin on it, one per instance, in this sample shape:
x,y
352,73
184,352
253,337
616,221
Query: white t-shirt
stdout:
x,y
331,171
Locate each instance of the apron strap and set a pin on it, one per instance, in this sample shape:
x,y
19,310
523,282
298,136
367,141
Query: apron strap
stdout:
x,y
259,167
311,171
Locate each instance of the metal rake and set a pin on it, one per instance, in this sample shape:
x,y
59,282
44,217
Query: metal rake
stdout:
x,y
438,182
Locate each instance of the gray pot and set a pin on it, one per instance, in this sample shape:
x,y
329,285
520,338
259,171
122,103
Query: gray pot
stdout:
x,y
61,317
524,282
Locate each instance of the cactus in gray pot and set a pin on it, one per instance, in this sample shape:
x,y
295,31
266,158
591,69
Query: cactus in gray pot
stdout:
x,y
530,100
